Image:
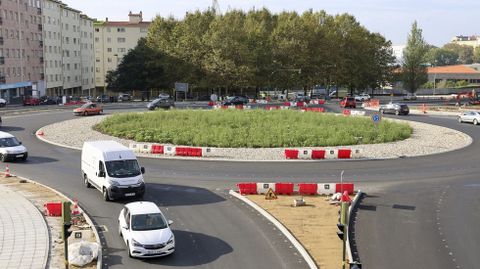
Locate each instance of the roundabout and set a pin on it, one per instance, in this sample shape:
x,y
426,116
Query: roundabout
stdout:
x,y
410,200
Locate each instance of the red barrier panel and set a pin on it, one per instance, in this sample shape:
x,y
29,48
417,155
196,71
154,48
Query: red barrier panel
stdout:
x,y
286,103
157,149
211,103
291,153
307,188
318,154
344,153
284,188
53,209
321,102
348,187
247,188
239,107
346,112
181,151
196,152
224,107
300,104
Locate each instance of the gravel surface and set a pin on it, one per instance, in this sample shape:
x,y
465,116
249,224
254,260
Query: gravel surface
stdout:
x,y
426,139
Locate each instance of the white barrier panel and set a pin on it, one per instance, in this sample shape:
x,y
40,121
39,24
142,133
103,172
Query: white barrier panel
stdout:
x,y
356,154
284,107
326,188
293,104
169,150
262,188
134,147
217,107
331,153
357,113
231,107
304,153
144,148
207,152
247,107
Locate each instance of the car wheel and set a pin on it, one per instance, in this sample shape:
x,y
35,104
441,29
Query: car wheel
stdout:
x,y
24,158
85,113
3,158
397,112
382,112
475,122
460,120
119,230
100,112
128,250
85,181
105,195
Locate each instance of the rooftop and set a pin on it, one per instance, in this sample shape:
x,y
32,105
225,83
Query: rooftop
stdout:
x,y
452,69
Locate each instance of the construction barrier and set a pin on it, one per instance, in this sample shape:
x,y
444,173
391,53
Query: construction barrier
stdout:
x,y
305,154
318,154
357,113
157,149
247,188
326,188
262,188
344,154
346,112
307,188
300,104
291,153
345,187
331,153
53,209
284,188
169,150
314,109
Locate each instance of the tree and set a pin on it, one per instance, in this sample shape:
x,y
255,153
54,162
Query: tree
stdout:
x,y
465,53
442,56
414,72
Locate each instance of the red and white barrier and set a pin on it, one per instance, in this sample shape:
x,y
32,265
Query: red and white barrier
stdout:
x,y
318,154
305,154
287,188
262,188
169,150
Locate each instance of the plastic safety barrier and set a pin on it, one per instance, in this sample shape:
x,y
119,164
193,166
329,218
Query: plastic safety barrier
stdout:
x,y
53,209
300,104
157,149
345,187
247,188
291,153
284,188
169,150
318,154
326,188
305,154
346,112
307,188
262,188
344,153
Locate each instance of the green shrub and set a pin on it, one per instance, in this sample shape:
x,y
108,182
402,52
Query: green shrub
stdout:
x,y
251,128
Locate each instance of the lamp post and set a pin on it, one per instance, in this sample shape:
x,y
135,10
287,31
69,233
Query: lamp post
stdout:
x,y
434,82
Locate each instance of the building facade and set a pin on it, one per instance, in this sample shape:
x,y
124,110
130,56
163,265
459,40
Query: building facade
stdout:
x,y
471,41
21,50
69,50
113,39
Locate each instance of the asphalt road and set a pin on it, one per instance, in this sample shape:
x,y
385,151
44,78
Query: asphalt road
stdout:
x,y
421,212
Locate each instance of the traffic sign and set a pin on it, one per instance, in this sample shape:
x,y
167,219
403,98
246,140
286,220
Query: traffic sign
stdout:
x,y
181,87
376,118
270,195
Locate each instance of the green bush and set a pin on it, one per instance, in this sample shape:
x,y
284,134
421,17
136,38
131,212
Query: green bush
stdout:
x,y
251,128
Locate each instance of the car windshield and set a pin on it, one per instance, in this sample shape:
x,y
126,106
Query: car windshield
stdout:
x,y
146,222
123,168
86,105
9,142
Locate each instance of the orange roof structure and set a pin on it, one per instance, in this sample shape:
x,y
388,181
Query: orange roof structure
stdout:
x,y
452,69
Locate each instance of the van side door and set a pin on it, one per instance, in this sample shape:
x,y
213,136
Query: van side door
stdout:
x,y
100,175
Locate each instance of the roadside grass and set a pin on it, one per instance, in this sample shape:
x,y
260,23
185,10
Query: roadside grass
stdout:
x,y
251,128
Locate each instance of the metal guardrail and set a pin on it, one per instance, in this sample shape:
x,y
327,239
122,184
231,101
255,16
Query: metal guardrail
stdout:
x,y
353,255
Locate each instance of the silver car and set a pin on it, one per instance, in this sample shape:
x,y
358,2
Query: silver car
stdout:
x,y
469,116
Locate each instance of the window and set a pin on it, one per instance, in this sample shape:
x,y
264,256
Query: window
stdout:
x,y
109,49
109,40
97,60
97,30
143,30
121,30
97,39
109,60
121,40
109,29
121,50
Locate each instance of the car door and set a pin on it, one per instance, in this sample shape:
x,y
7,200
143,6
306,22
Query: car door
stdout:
x,y
469,117
125,224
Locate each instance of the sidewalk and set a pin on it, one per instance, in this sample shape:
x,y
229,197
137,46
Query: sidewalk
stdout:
x,y
24,237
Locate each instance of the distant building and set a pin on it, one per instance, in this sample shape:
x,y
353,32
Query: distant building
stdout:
x,y
472,41
398,53
21,50
113,39
455,73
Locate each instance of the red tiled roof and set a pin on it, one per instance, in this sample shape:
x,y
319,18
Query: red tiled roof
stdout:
x,y
126,23
452,69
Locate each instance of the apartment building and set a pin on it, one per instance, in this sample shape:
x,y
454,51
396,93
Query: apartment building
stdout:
x,y
472,41
21,49
87,53
113,39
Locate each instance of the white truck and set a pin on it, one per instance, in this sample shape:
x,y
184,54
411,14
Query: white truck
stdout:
x,y
113,169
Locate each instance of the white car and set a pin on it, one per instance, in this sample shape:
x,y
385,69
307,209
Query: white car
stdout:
x,y
3,102
469,116
11,148
145,230
362,97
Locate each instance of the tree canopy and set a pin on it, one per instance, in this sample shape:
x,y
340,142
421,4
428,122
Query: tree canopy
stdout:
x,y
414,71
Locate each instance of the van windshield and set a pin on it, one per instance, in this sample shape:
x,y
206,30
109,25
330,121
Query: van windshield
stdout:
x,y
123,168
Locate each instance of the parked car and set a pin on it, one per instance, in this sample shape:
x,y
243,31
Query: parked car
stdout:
x,y
394,108
145,230
48,100
362,97
113,169
469,116
235,100
410,97
124,97
11,148
103,99
3,102
88,109
300,97
161,103
31,101
348,102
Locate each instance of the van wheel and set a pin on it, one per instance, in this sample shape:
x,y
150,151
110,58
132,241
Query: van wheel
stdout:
x,y
85,181
3,158
105,195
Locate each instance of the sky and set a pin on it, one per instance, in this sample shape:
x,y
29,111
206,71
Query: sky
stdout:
x,y
440,20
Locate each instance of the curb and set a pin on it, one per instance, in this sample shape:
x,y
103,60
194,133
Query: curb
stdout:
x,y
86,216
280,227
352,208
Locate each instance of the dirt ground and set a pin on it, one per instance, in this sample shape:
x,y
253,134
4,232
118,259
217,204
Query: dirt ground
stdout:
x,y
314,225
39,195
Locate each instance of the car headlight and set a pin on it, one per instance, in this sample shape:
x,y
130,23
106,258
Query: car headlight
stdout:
x,y
170,241
136,244
113,183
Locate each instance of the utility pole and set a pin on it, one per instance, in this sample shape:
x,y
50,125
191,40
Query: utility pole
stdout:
x,y
67,222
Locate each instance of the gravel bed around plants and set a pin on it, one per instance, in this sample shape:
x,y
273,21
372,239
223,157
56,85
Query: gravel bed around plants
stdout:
x,y
426,139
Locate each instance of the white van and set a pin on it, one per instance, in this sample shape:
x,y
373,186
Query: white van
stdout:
x,y
113,169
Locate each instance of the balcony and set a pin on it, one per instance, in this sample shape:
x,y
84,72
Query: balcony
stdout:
x,y
40,27
41,60
39,11
2,60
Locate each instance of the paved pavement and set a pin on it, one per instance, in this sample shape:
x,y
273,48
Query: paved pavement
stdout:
x,y
24,240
